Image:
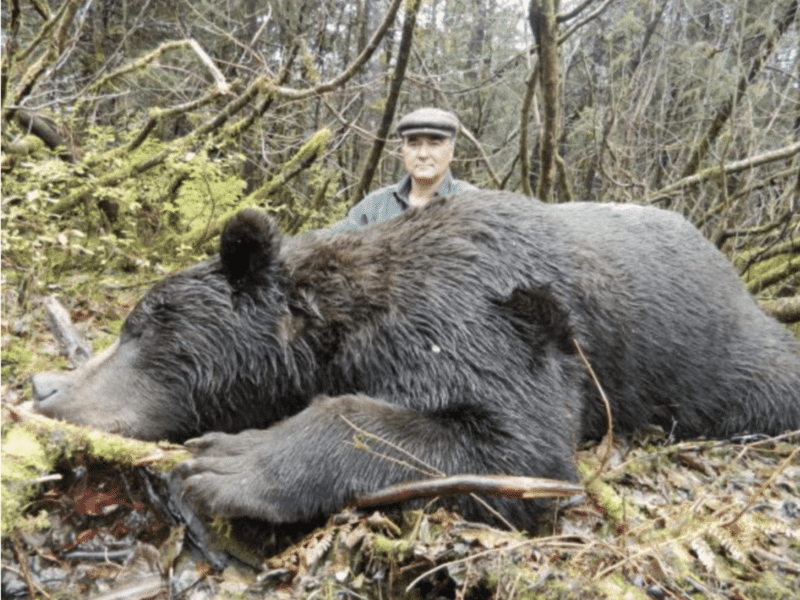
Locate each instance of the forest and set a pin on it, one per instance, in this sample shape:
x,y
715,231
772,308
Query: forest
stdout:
x,y
132,130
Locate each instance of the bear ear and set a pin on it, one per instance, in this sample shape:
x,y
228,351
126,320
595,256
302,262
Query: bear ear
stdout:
x,y
249,249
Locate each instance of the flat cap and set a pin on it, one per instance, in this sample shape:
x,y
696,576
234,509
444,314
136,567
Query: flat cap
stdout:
x,y
432,121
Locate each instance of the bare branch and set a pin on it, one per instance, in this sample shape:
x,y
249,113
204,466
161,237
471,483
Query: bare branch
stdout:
x,y
75,348
733,167
725,110
506,486
222,85
590,17
349,72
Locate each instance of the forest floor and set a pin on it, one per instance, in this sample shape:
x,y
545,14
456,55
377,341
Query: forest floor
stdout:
x,y
88,516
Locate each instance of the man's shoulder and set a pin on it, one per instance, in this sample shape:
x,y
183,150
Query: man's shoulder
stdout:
x,y
451,186
461,186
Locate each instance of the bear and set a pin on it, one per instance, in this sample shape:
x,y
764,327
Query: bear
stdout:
x,y
318,368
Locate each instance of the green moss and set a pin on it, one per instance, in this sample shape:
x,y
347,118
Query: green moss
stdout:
x,y
603,493
24,461
33,447
617,587
396,550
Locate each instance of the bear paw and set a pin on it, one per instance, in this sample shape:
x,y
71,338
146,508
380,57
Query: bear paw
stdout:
x,y
232,476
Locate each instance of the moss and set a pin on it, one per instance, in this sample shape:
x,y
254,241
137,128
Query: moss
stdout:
x,y
60,440
617,587
603,493
396,550
24,461
32,447
768,587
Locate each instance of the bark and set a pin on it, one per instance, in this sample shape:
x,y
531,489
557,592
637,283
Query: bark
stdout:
x,y
545,30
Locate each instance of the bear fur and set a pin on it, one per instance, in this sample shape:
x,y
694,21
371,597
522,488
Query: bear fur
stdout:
x,y
440,342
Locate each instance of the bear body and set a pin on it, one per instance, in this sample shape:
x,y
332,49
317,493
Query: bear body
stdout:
x,y
440,342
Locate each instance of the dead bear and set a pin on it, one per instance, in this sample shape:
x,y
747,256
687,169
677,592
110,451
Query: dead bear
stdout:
x,y
328,366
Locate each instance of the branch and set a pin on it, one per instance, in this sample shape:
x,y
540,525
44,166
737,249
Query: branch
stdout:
x,y
139,63
774,276
115,177
222,85
55,44
67,439
590,17
505,486
259,85
723,112
574,12
349,72
484,157
733,167
785,310
303,158
74,347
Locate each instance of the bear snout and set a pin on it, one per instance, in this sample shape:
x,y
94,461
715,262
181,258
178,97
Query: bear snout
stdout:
x,y
46,385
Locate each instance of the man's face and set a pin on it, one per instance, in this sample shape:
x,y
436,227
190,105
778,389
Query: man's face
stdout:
x,y
427,157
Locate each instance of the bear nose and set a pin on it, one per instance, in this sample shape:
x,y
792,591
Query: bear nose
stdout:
x,y
46,384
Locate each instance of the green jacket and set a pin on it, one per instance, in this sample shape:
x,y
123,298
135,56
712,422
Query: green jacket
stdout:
x,y
388,202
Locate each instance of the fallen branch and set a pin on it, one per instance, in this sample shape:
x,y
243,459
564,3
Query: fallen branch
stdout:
x,y
219,78
111,447
75,348
506,486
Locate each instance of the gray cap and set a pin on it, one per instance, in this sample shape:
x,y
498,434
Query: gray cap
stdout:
x,y
432,121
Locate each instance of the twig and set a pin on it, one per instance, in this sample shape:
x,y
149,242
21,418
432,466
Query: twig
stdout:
x,y
609,436
537,541
445,485
423,466
763,487
25,569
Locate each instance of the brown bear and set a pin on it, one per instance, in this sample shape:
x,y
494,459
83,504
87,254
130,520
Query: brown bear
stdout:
x,y
442,341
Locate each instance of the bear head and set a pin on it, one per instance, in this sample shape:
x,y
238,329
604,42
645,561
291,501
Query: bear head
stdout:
x,y
206,348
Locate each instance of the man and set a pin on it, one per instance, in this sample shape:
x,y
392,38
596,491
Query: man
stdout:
x,y
427,150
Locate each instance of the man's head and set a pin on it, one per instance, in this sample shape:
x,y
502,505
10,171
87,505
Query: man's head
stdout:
x,y
428,143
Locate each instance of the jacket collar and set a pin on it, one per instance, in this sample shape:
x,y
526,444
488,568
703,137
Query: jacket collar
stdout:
x,y
403,189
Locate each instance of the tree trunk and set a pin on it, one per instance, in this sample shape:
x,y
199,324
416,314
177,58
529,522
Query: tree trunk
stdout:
x,y
542,15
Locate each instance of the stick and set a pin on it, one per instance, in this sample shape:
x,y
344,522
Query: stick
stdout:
x,y
507,486
75,348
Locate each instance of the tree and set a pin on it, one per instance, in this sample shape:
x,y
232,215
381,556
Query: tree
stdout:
x,y
165,117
